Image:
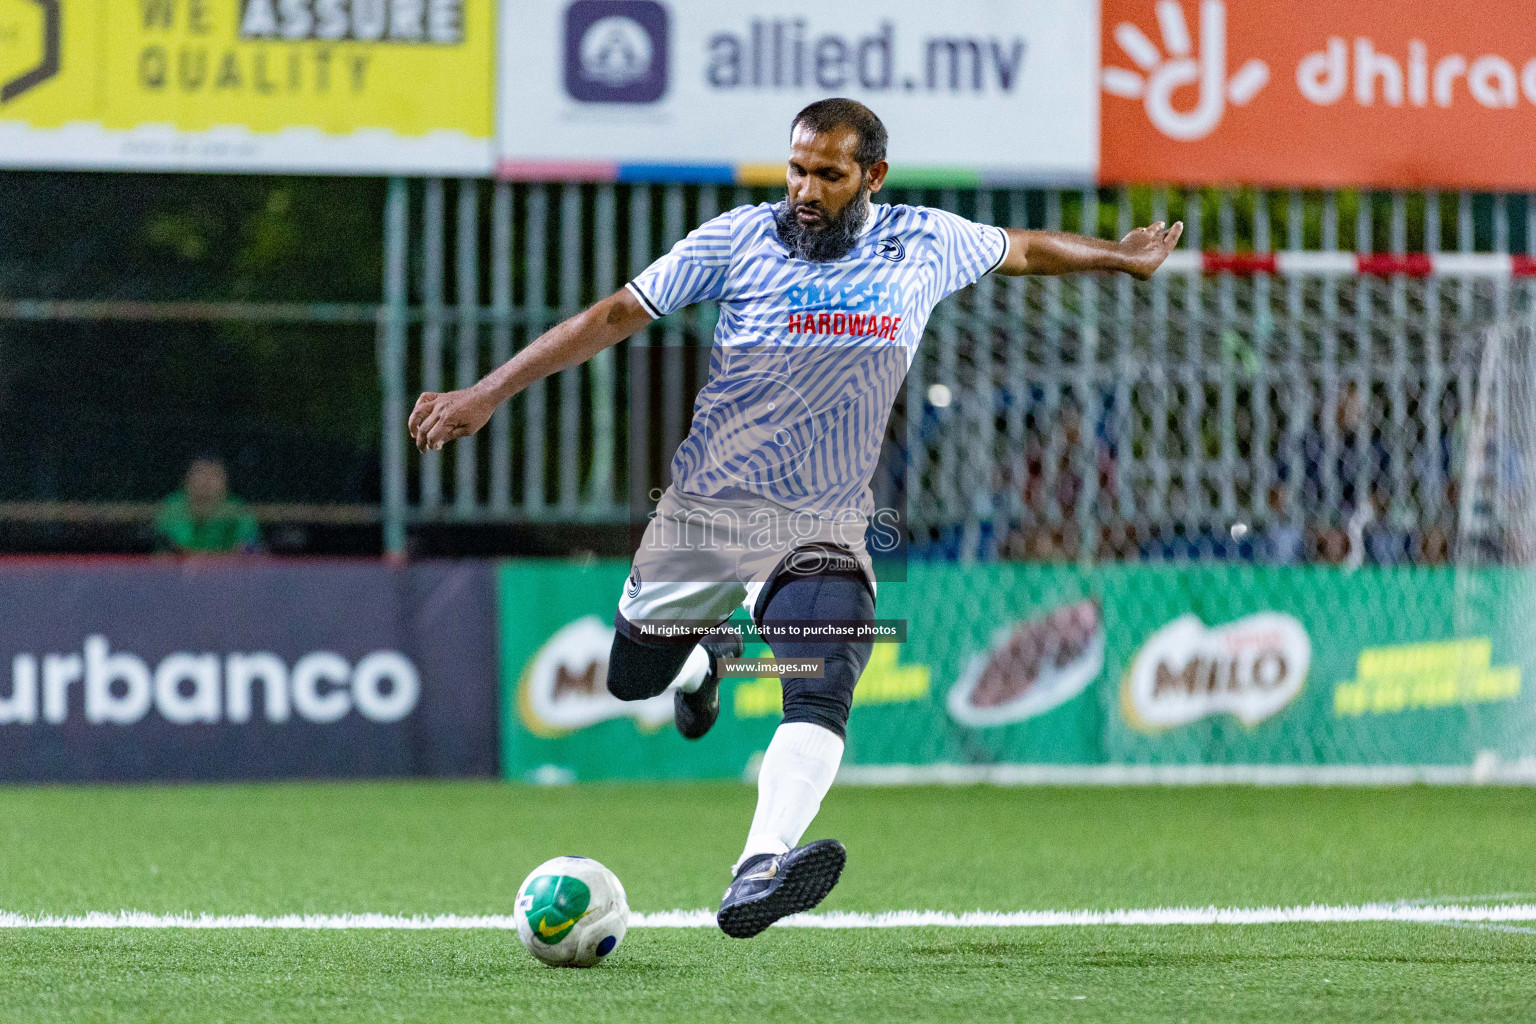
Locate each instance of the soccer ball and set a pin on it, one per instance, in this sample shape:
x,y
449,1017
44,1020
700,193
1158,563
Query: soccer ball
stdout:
x,y
571,912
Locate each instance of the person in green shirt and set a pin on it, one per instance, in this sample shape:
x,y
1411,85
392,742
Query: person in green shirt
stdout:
x,y
203,517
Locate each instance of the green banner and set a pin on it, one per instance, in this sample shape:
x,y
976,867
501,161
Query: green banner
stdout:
x,y
1020,663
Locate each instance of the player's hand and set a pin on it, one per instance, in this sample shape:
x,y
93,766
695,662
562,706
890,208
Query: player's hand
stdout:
x,y
442,417
1145,248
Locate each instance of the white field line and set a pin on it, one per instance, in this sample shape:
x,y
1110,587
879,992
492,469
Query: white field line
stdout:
x,y
1313,913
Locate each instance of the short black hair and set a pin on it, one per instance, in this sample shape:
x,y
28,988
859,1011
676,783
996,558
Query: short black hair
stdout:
x,y
831,114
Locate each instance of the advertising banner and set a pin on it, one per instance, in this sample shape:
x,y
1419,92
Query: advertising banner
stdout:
x,y
1395,94
970,90
141,671
1027,664
324,86
1391,94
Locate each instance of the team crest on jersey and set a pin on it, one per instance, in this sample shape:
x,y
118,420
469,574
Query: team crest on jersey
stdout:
x,y
891,248
633,586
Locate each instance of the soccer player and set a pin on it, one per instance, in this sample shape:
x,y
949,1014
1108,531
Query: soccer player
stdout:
x,y
823,299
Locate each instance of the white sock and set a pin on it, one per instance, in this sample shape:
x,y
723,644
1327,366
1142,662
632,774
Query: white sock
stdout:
x,y
797,771
694,670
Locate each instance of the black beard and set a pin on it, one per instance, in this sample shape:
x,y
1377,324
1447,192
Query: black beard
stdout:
x,y
822,245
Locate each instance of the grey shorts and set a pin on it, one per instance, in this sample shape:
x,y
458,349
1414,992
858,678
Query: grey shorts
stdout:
x,y
702,558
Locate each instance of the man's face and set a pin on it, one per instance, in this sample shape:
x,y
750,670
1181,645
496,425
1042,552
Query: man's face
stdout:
x,y
824,177
828,201
207,486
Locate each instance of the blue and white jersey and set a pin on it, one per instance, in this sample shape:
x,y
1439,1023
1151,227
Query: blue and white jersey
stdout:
x,y
808,358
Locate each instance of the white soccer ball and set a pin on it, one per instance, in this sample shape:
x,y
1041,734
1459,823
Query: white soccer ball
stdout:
x,y
572,912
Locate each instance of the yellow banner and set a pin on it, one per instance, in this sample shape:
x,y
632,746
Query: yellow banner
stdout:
x,y
1440,674
340,86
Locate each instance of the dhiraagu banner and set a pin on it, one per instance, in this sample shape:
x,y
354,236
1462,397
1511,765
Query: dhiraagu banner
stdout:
x,y
322,86
1311,669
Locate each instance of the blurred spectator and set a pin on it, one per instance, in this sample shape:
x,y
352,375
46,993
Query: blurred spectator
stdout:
x,y
1434,547
1043,543
1330,545
1359,455
203,517
1386,536
1284,540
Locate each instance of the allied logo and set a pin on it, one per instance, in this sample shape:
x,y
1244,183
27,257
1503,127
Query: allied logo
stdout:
x,y
1187,671
49,48
1164,71
891,248
616,51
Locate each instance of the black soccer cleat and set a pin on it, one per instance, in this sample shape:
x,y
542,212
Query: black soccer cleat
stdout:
x,y
695,713
768,887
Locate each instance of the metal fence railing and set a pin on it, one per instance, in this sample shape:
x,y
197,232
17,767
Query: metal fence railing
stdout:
x,y
1088,417
1277,387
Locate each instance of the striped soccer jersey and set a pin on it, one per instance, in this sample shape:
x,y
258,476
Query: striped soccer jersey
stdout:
x,y
808,358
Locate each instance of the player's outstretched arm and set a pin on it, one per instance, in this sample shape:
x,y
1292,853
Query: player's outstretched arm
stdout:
x,y
442,417
1056,252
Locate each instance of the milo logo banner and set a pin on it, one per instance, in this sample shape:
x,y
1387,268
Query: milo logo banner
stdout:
x,y
1186,671
128,671
1013,664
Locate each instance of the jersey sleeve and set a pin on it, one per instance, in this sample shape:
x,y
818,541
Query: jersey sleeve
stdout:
x,y
694,271
968,250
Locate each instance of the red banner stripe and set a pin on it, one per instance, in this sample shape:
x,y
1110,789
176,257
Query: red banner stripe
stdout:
x,y
1381,264
1312,263
1238,263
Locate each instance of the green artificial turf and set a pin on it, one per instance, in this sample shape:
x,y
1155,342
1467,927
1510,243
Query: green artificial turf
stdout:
x,y
464,848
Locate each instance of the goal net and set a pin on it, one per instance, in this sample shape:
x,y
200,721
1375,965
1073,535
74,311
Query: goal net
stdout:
x,y
1254,525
